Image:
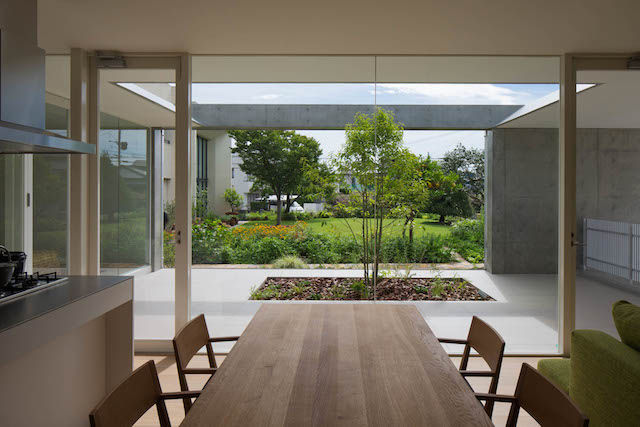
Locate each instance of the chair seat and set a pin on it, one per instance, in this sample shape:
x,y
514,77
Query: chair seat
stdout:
x,y
558,371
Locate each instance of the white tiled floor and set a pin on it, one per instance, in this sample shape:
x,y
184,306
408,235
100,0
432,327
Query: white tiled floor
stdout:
x,y
524,313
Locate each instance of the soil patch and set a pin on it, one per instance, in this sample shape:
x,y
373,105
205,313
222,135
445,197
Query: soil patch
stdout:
x,y
352,288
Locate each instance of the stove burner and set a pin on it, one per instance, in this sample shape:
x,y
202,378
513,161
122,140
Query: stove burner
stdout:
x,y
25,282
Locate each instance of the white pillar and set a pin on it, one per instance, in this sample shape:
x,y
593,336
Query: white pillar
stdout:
x,y
84,170
567,204
183,192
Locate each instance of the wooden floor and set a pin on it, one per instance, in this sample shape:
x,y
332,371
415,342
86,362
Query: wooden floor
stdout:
x,y
169,381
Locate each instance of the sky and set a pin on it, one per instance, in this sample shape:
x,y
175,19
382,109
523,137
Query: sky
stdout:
x,y
433,143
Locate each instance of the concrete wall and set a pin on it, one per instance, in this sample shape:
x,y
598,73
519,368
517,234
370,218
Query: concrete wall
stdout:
x,y
522,191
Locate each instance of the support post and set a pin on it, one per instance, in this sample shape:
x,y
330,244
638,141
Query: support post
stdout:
x,y
567,204
78,165
84,169
183,192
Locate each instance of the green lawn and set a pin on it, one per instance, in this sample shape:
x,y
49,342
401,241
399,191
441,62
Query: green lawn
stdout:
x,y
340,226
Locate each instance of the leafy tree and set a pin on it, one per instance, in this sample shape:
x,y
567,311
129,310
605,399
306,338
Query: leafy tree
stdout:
x,y
233,198
373,146
468,164
275,159
409,188
446,194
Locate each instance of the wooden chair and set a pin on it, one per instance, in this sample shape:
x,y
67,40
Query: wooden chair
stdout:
x,y
133,397
187,342
490,346
541,399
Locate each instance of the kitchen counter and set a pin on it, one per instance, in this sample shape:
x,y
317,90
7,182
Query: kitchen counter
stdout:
x,y
71,289
63,348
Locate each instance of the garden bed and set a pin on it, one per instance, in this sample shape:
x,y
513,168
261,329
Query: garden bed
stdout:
x,y
352,288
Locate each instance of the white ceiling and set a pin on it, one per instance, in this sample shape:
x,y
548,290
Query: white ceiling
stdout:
x,y
615,103
496,27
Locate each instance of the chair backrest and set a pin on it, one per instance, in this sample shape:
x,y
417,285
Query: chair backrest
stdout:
x,y
131,399
545,402
191,338
487,342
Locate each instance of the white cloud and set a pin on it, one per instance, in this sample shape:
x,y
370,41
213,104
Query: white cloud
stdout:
x,y
268,96
456,93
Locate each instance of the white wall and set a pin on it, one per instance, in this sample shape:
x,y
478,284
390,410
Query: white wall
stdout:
x,y
219,173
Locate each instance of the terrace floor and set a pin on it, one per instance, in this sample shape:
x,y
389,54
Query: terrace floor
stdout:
x,y
524,313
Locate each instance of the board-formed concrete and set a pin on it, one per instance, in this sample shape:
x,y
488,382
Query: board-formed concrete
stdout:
x,y
327,117
522,192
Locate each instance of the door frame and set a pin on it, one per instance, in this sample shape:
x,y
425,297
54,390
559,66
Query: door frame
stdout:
x,y
570,64
85,170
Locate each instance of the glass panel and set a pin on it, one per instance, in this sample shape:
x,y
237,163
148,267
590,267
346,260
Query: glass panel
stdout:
x,y
124,186
607,209
50,197
136,160
482,131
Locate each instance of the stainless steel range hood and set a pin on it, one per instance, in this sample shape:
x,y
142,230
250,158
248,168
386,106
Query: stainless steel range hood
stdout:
x,y
22,87
15,139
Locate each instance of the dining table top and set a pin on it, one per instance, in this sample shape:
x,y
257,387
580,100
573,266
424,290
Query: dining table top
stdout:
x,y
354,364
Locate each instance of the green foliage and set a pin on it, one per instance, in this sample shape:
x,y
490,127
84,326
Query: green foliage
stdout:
x,y
437,289
201,203
371,151
360,288
421,289
170,209
258,205
467,238
233,199
425,249
289,261
447,196
260,216
209,242
468,164
168,250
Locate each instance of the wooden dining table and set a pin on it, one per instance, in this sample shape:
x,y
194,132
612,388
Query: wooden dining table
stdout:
x,y
337,364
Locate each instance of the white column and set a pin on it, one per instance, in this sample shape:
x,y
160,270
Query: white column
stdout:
x,y
78,165
567,204
183,192
84,169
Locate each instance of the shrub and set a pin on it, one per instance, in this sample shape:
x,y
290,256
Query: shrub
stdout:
x,y
260,251
467,238
169,250
425,249
210,239
260,216
258,205
290,261
324,214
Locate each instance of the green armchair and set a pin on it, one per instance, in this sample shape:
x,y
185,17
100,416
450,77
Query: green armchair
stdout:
x,y
603,374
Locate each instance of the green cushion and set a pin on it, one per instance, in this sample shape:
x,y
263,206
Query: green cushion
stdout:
x,y
558,371
626,316
605,379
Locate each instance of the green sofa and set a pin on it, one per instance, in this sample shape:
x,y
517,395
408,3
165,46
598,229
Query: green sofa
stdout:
x,y
602,376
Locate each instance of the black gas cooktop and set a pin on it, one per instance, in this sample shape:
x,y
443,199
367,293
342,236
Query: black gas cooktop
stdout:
x,y
27,283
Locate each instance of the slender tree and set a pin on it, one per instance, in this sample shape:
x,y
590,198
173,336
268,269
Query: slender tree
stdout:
x,y
373,145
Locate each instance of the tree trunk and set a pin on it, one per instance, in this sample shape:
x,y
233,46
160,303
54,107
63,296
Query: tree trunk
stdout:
x,y
287,208
278,209
441,220
411,233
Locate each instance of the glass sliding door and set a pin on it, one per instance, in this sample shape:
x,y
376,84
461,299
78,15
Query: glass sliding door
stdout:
x,y
124,191
136,123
